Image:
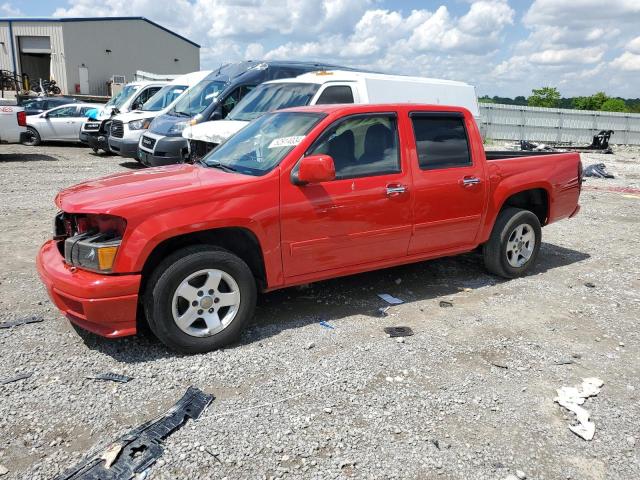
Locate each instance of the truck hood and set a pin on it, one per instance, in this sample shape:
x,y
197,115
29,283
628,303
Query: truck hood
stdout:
x,y
107,194
213,132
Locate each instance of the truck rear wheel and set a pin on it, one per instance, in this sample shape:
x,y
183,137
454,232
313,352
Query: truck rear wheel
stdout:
x,y
199,299
513,247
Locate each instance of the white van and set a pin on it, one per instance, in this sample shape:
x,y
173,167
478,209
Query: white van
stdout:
x,y
328,87
126,128
131,97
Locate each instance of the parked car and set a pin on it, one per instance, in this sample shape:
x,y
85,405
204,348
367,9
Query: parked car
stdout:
x,y
212,99
13,124
58,124
297,196
34,106
126,128
328,87
95,131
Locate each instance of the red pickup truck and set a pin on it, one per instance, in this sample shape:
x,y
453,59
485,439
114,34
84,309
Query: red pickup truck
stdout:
x,y
297,196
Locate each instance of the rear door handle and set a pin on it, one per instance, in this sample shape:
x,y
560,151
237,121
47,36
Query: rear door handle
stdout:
x,y
469,181
395,189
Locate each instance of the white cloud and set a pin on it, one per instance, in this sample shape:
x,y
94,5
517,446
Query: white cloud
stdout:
x,y
568,55
585,12
565,41
634,45
628,61
9,10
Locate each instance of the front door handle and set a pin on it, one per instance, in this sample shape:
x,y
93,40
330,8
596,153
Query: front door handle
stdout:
x,y
469,181
395,189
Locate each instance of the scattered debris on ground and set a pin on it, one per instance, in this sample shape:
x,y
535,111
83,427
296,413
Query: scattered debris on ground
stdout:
x,y
21,321
572,397
112,377
599,144
326,324
500,365
390,299
597,170
445,304
135,452
398,331
22,376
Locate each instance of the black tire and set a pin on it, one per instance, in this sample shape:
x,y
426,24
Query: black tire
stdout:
x,y
32,138
171,272
496,256
56,90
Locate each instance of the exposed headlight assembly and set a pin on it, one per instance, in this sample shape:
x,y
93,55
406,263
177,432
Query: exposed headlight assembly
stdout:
x,y
92,252
91,242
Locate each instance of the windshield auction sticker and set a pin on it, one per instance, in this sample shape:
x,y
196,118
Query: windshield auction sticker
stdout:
x,y
285,142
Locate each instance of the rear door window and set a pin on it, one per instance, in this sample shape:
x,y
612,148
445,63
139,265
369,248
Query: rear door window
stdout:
x,y
441,140
336,94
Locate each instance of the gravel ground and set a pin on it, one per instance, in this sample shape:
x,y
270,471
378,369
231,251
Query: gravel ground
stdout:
x,y
470,395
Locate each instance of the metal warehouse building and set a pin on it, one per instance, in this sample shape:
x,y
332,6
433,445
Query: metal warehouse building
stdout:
x,y
83,54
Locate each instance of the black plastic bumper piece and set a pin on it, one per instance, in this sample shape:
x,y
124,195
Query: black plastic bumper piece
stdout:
x,y
136,451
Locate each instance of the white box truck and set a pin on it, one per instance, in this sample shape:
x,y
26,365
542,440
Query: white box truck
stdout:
x,y
329,87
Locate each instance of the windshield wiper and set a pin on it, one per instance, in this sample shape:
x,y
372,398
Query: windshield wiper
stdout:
x,y
225,168
181,114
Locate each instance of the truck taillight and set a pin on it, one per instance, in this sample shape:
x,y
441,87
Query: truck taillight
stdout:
x,y
22,119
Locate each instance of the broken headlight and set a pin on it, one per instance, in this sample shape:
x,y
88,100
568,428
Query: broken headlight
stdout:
x,y
90,241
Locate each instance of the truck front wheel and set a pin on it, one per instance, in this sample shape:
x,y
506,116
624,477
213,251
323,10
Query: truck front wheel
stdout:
x,y
199,299
513,246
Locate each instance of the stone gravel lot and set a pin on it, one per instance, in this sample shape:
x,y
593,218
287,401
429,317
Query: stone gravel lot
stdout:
x,y
469,396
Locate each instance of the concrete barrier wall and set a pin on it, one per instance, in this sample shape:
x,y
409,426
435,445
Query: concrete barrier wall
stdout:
x,y
513,122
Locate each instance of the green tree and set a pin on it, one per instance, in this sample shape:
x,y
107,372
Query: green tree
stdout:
x,y
544,97
614,105
594,102
485,99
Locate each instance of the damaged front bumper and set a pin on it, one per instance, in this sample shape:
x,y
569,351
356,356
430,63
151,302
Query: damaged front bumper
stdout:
x,y
103,304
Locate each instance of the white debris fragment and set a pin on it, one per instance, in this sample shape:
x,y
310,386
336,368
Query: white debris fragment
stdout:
x,y
390,299
110,454
571,398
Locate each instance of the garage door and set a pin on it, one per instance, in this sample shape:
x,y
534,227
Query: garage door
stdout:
x,y
35,44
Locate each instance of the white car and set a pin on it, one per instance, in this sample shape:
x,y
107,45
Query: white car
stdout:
x,y
60,124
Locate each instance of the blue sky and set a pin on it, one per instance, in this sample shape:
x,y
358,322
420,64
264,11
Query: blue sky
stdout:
x,y
504,47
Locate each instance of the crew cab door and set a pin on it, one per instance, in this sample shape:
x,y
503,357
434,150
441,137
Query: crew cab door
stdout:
x,y
362,216
449,188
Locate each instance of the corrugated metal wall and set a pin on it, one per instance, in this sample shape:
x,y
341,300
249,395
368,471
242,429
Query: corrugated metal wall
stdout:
x,y
513,122
52,30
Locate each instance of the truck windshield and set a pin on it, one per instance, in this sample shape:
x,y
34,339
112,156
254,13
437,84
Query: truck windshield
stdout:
x,y
125,94
163,98
261,145
273,96
198,98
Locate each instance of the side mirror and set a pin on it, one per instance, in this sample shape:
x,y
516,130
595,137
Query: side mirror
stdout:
x,y
315,169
